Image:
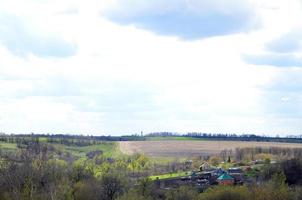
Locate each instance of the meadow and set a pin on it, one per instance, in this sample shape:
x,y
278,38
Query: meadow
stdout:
x,y
109,149
8,146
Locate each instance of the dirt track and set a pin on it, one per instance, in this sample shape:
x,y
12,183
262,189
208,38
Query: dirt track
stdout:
x,y
191,148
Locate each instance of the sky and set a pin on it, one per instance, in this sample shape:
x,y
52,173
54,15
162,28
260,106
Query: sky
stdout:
x,y
119,67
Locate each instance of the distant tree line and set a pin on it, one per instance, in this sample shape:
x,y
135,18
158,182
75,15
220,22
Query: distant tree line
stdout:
x,y
252,153
258,154
83,140
69,140
231,137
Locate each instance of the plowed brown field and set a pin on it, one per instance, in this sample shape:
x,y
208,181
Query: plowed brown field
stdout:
x,y
180,149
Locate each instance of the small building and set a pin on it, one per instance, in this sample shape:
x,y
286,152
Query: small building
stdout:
x,y
193,176
205,175
218,172
237,174
225,179
235,170
205,167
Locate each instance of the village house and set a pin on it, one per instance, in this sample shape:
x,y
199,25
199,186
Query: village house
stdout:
x,y
205,167
225,179
237,174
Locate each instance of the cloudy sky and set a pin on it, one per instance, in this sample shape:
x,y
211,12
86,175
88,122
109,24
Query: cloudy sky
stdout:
x,y
125,66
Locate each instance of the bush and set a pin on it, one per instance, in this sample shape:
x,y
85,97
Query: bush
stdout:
x,y
132,194
225,193
182,193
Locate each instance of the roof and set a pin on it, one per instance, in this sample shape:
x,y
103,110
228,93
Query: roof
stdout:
x,y
219,171
235,170
225,176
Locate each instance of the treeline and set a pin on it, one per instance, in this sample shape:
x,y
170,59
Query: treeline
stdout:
x,y
79,140
69,140
257,155
252,153
231,137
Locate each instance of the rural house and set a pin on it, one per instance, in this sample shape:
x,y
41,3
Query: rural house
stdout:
x,y
205,167
225,179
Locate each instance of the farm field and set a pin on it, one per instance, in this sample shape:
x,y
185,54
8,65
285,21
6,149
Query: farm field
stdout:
x,y
161,138
181,149
8,146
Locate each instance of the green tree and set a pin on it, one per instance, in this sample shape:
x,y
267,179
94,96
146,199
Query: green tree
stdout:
x,y
274,189
182,193
133,195
142,161
145,187
89,189
214,160
133,165
113,185
225,193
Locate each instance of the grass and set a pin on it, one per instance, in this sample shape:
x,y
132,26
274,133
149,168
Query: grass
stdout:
x,y
42,139
169,175
109,149
8,146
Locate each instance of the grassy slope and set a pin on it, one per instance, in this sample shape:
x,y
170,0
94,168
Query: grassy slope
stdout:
x,y
109,149
170,175
8,146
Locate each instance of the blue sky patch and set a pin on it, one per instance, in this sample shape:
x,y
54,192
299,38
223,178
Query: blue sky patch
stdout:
x,y
287,43
21,40
273,59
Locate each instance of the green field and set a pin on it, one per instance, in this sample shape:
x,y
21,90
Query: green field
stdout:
x,y
169,175
110,149
8,146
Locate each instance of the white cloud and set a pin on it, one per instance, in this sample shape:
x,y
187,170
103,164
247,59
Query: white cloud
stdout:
x,y
123,79
281,35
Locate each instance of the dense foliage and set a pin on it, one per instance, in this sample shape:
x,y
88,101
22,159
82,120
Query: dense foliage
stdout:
x,y
41,169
